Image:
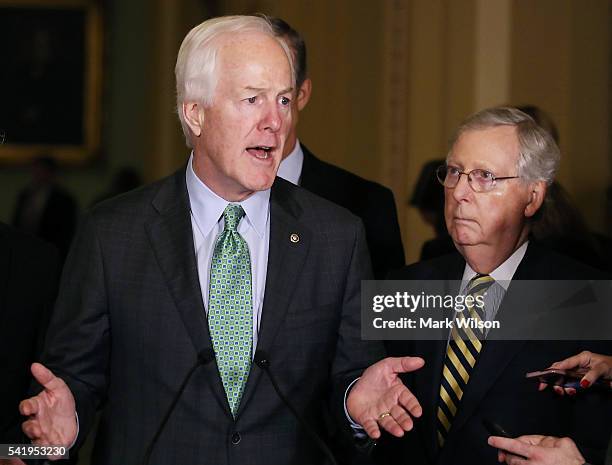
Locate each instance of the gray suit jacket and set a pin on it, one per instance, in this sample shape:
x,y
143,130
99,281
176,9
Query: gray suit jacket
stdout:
x,y
130,320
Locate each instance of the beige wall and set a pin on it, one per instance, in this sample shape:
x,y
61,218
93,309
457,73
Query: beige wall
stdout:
x,y
392,78
441,92
561,61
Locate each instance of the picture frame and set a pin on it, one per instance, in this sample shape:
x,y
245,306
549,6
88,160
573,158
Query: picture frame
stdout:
x,y
50,80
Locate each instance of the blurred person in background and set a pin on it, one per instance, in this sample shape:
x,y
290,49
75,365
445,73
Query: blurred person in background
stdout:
x,y
124,180
559,224
44,208
368,200
428,198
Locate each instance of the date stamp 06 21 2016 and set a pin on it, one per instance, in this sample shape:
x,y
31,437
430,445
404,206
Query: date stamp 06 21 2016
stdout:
x,y
31,451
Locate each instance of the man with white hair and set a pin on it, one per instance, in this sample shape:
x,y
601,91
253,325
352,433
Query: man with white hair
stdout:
x,y
495,179
191,307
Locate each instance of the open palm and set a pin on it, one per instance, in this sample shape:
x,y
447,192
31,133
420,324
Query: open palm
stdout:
x,y
51,413
380,398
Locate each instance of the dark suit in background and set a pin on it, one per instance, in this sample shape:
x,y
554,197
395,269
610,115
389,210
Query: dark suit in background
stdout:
x,y
130,322
370,201
54,221
29,272
497,389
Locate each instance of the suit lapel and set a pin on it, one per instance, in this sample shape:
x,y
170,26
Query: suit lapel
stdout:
x,y
428,379
313,178
285,260
427,387
171,238
514,312
492,362
307,175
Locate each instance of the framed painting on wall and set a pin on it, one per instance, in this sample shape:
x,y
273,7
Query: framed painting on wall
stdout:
x,y
50,80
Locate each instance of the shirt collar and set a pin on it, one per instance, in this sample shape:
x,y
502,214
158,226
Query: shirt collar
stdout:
x,y
207,207
291,167
503,273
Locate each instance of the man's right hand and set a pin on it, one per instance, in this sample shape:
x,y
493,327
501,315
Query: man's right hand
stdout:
x,y
52,419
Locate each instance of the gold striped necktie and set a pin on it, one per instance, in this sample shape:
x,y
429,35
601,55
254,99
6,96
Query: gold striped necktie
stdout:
x,y
461,355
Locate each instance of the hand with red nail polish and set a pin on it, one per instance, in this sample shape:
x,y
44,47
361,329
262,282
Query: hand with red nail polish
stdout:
x,y
596,366
585,383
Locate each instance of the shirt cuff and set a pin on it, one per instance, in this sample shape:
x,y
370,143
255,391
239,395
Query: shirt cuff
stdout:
x,y
76,415
358,430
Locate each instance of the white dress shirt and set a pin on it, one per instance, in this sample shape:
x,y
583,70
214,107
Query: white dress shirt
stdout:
x,y
502,275
504,272
207,224
290,168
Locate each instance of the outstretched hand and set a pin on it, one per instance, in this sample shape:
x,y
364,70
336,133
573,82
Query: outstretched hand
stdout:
x,y
380,399
52,420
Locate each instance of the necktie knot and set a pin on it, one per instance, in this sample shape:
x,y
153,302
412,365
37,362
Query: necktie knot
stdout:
x,y
479,283
232,216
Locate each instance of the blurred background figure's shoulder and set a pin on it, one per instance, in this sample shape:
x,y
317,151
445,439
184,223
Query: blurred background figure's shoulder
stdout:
x,y
19,249
369,200
45,208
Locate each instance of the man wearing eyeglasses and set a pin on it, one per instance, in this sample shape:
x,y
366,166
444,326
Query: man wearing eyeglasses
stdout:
x,y
495,180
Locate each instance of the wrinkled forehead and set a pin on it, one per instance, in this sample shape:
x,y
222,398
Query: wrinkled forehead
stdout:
x,y
240,50
494,147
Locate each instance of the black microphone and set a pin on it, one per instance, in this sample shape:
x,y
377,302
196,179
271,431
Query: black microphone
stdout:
x,y
205,356
262,361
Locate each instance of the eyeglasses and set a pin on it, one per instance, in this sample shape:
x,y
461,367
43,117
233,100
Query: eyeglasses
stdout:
x,y
479,180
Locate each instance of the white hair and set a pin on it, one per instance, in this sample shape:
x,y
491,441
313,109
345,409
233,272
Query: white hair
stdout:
x,y
539,154
196,64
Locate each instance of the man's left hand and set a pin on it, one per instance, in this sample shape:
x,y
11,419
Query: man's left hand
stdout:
x,y
537,450
380,398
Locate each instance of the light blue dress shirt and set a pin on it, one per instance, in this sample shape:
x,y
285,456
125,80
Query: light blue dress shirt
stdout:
x,y
207,224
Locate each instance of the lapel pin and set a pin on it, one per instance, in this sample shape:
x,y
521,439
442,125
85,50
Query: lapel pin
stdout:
x,y
294,238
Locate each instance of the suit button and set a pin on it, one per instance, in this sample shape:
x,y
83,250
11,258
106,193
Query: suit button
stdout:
x,y
236,438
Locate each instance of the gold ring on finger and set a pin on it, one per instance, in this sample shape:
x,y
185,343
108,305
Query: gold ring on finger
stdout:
x,y
383,415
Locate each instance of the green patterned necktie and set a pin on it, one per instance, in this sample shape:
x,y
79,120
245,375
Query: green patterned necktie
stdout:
x,y
230,307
